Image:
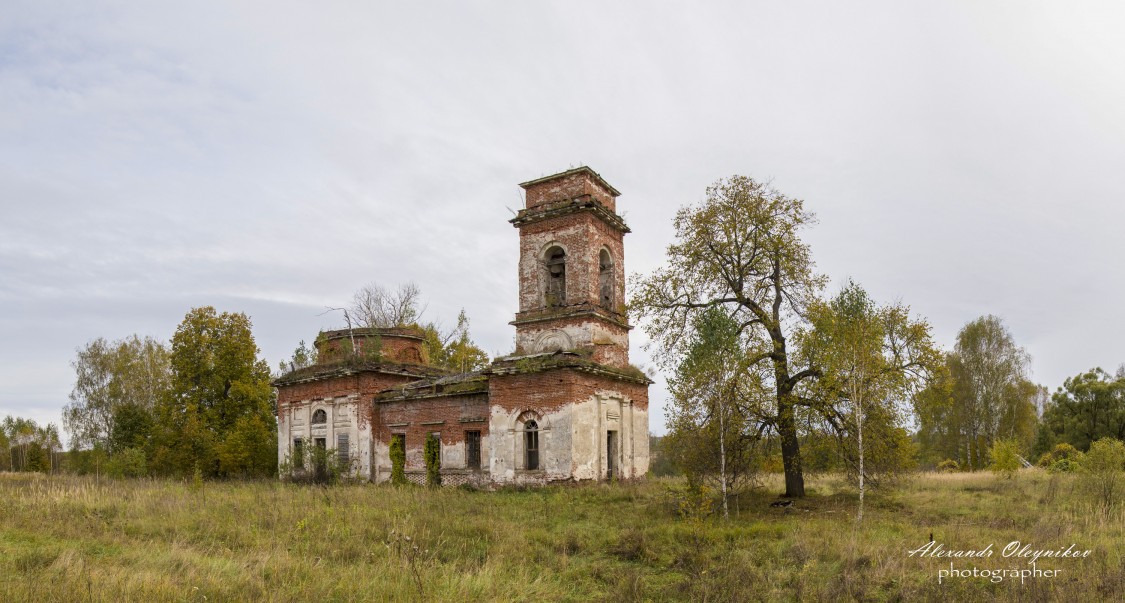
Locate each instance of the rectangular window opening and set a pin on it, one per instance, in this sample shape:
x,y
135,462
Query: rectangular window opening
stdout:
x,y
532,450
342,452
298,450
611,454
472,449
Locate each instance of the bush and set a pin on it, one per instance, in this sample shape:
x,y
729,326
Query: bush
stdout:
x,y
1063,466
1101,470
948,466
1063,458
1005,457
315,466
398,461
432,455
130,462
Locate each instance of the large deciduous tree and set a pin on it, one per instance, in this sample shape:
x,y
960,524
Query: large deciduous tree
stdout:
x,y
217,417
740,250
131,372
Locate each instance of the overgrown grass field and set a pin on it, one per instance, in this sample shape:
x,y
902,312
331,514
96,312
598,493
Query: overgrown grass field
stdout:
x,y
77,539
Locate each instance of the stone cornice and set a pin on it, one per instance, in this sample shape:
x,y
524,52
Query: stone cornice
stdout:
x,y
556,209
535,363
565,312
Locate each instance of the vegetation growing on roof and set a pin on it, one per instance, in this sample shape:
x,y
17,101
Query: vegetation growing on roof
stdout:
x,y
569,359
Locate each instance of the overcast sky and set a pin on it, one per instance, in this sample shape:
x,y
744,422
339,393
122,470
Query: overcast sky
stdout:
x,y
273,157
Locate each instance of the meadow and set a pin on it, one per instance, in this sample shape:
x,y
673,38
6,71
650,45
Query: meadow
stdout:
x,y
66,538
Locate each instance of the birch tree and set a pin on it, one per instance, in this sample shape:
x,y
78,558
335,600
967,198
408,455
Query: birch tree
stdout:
x,y
710,432
108,376
873,359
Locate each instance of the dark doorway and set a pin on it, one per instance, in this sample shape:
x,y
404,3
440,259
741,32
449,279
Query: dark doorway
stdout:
x,y
611,454
472,449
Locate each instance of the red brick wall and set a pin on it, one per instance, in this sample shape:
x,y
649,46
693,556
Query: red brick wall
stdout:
x,y
394,348
569,187
548,391
457,415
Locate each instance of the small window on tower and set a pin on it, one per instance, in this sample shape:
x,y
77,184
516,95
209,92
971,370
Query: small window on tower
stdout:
x,y
555,290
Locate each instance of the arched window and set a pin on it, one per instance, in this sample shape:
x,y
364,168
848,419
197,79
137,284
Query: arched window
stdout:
x,y
531,445
319,417
605,279
554,293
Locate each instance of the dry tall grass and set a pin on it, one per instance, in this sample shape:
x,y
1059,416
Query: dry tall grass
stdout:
x,y
75,539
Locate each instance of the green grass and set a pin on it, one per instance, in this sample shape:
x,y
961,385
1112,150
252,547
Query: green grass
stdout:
x,y
75,539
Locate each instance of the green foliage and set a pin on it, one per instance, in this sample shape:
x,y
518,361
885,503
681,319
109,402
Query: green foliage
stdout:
x,y
660,460
712,437
1062,453
948,466
132,427
86,462
1005,458
131,372
127,462
315,465
249,448
871,359
218,414
431,453
27,446
1064,466
398,460
982,396
690,500
6,457
1088,407
303,357
454,350
740,251
1101,471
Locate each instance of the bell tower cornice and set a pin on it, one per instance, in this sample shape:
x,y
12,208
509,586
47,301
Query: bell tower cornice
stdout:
x,y
565,207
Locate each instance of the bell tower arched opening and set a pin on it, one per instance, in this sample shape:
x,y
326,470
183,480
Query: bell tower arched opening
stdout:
x,y
554,287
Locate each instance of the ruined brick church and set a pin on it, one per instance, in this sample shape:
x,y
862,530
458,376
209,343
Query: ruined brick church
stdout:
x,y
565,406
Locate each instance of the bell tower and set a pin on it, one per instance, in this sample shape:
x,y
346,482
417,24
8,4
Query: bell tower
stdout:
x,y
572,271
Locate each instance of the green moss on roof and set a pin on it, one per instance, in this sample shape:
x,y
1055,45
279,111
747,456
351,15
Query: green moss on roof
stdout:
x,y
353,365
